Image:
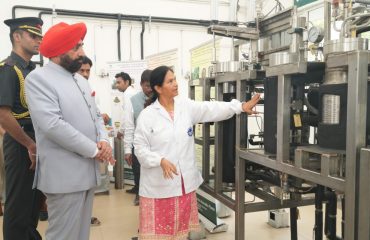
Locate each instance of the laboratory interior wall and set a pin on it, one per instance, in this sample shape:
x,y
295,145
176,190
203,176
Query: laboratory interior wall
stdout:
x,y
101,39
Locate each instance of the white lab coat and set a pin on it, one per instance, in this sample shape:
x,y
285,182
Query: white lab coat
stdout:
x,y
126,96
157,137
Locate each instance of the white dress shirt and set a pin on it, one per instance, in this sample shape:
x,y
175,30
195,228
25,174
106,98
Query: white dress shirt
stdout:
x,y
129,128
127,94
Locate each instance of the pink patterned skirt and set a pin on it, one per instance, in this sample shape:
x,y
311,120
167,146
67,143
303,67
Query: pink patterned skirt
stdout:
x,y
168,218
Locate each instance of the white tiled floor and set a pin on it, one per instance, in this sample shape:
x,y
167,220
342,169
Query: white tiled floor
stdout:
x,y
120,221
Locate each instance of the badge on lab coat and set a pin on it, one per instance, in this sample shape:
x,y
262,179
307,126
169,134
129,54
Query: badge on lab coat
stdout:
x,y
190,131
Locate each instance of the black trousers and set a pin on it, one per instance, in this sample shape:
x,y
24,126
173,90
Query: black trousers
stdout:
x,y
22,205
136,170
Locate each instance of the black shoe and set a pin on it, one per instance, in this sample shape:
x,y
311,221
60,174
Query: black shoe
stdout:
x,y
136,200
95,221
135,238
133,190
43,216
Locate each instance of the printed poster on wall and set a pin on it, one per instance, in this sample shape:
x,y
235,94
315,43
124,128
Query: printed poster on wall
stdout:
x,y
202,57
170,58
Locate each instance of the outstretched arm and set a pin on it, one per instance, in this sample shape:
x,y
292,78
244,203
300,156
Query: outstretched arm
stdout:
x,y
219,110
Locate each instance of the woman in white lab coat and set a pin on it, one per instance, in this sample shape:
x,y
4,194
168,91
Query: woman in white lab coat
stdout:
x,y
164,145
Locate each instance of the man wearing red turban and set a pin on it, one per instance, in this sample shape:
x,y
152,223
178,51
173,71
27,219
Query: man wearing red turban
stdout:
x,y
70,132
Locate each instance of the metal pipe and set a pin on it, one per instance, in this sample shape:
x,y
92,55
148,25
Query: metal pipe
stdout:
x,y
327,21
318,212
331,216
255,176
29,8
294,216
81,14
356,126
347,8
310,107
360,23
118,167
214,57
41,57
326,217
293,224
75,13
142,38
333,222
138,18
119,37
363,28
345,21
343,215
366,2
119,17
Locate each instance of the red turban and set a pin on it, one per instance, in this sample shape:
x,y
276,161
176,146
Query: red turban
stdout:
x,y
61,38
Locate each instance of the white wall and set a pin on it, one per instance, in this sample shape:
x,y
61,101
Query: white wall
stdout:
x,y
157,36
101,39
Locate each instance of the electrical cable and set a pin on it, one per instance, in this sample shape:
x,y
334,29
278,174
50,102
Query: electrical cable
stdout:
x,y
256,116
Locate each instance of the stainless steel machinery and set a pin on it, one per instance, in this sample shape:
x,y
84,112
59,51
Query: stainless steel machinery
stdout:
x,y
316,124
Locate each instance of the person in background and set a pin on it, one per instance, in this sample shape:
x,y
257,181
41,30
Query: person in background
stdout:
x,y
21,209
164,146
85,68
2,170
70,132
123,84
132,111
